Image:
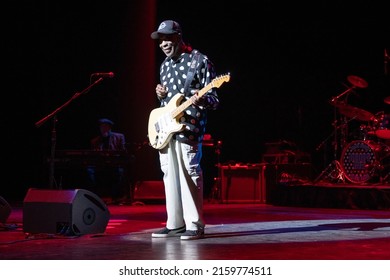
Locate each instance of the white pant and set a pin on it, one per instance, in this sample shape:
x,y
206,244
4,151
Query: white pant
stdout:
x,y
183,180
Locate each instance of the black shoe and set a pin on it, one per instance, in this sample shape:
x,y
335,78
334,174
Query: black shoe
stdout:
x,y
166,232
192,234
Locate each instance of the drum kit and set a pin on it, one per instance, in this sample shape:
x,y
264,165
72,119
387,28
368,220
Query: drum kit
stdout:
x,y
367,159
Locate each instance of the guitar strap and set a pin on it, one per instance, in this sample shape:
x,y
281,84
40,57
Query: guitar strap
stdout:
x,y
191,70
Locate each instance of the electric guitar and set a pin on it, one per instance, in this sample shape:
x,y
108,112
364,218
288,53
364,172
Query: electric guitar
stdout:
x,y
164,121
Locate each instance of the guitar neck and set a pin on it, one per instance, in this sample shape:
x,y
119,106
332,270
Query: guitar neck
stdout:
x,y
188,102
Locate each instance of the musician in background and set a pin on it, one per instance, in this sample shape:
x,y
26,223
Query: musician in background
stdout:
x,y
180,158
111,177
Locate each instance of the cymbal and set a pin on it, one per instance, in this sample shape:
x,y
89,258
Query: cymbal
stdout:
x,y
354,112
387,100
357,81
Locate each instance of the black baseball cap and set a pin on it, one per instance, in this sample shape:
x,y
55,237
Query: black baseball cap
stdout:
x,y
166,27
106,121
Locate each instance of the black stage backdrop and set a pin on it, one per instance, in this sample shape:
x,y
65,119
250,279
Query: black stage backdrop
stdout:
x,y
287,60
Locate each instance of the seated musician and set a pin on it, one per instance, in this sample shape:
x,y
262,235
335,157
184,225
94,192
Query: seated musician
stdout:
x,y
107,178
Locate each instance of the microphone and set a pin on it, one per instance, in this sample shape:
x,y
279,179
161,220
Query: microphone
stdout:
x,y
104,75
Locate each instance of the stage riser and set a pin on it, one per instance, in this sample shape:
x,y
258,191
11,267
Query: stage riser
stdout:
x,y
293,185
333,197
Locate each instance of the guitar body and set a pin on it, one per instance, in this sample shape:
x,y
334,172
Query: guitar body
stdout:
x,y
164,121
162,125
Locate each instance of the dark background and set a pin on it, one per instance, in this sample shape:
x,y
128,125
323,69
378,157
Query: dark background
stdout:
x,y
287,60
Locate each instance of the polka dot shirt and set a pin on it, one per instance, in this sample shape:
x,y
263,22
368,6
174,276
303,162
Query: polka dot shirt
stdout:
x,y
173,75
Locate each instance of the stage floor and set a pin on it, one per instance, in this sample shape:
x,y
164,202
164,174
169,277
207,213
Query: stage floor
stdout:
x,y
233,232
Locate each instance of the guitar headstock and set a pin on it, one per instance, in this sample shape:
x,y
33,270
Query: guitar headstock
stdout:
x,y
218,81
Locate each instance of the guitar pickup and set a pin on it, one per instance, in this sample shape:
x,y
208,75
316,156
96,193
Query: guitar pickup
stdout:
x,y
157,127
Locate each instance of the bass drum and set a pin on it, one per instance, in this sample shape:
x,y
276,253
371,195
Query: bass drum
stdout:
x,y
361,160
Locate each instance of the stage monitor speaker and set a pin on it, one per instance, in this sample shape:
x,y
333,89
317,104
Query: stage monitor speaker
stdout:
x,y
70,212
5,210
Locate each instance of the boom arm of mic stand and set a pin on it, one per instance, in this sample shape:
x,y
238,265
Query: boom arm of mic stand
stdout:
x,y
54,134
77,94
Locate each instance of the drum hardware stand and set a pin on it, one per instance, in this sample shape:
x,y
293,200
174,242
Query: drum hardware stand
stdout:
x,y
343,126
334,133
385,179
333,172
53,116
386,167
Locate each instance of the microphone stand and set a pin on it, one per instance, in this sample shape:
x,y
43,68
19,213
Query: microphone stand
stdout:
x,y
53,115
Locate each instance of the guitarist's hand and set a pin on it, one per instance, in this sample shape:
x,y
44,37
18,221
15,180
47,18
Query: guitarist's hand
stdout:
x,y
196,100
161,91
